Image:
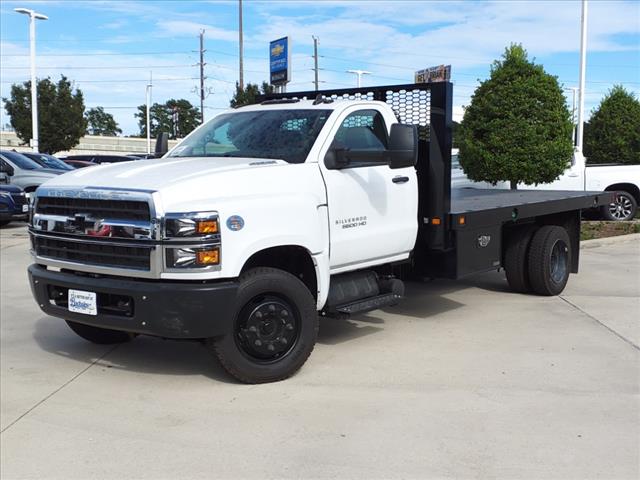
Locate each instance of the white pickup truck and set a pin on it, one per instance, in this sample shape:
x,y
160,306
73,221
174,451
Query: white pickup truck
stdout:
x,y
624,180
269,214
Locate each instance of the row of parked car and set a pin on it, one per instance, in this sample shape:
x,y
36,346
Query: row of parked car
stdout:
x,y
22,172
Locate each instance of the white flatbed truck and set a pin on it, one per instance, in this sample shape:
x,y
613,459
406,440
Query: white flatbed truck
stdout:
x,y
271,215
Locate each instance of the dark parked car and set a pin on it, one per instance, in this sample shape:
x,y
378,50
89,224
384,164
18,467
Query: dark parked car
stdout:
x,y
48,161
101,158
79,163
145,156
13,204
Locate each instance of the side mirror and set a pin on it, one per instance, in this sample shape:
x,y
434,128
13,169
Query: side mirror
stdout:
x,y
336,158
6,169
162,144
403,145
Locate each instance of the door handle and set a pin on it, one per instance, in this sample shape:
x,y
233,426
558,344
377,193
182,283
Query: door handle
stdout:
x,y
400,179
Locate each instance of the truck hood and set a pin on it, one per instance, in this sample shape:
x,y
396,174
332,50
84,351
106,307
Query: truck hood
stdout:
x,y
157,174
199,184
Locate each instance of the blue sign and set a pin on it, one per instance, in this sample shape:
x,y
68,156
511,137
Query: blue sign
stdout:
x,y
280,61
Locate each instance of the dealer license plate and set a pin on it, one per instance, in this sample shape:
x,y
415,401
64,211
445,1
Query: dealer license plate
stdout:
x,y
25,208
83,302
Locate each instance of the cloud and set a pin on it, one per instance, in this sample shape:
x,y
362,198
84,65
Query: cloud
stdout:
x,y
185,28
115,25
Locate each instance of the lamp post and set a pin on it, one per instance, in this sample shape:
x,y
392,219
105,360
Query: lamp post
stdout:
x,y
583,66
148,92
33,16
359,73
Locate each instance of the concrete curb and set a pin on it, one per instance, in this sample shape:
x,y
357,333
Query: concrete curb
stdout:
x,y
601,242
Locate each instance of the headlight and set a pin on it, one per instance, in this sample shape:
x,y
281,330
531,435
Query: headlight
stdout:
x,y
188,257
191,225
192,240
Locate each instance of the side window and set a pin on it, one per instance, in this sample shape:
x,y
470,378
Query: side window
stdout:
x,y
363,130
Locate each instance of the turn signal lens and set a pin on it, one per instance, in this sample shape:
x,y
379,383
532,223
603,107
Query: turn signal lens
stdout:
x,y
461,220
206,227
435,221
208,257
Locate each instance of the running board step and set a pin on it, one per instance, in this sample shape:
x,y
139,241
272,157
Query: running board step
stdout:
x,y
368,304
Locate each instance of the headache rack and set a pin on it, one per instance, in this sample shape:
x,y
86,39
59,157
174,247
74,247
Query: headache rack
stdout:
x,y
428,106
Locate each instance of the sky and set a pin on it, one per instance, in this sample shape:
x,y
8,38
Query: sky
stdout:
x,y
109,49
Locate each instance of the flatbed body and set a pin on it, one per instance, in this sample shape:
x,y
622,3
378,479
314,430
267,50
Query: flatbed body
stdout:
x,y
479,206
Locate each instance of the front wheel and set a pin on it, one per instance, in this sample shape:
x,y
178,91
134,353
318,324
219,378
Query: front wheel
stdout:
x,y
623,208
274,331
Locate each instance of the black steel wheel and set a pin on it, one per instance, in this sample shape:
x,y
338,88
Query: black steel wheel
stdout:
x,y
102,336
549,260
515,258
274,330
623,208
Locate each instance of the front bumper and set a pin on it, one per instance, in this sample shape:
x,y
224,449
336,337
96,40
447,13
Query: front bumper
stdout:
x,y
187,310
14,216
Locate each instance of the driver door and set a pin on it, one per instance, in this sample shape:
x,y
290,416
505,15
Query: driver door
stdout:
x,y
372,208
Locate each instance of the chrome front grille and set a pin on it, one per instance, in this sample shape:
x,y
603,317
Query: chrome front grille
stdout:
x,y
97,230
108,254
121,209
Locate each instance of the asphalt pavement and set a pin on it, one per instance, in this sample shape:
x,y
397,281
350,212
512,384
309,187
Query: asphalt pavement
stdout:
x,y
462,380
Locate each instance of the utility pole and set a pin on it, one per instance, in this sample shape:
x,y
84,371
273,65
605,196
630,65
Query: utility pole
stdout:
x,y
241,66
34,85
359,73
583,66
315,60
149,86
202,64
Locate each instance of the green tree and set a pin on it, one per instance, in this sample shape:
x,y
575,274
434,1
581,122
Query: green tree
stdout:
x,y
517,127
176,117
613,132
101,123
61,123
247,96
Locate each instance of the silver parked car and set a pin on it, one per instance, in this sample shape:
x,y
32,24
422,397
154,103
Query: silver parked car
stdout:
x,y
27,174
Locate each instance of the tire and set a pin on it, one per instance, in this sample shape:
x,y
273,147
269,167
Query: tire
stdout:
x,y
101,336
549,260
516,263
4,223
622,209
274,330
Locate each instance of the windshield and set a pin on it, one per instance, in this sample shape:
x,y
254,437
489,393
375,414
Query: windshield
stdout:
x,y
20,161
49,161
279,134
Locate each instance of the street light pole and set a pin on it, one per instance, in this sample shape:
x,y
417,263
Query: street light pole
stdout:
x,y
149,87
359,73
583,66
34,86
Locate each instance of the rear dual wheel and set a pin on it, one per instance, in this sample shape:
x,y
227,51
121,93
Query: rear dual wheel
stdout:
x,y
538,260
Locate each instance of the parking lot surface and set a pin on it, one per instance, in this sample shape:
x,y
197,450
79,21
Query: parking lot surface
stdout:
x,y
462,380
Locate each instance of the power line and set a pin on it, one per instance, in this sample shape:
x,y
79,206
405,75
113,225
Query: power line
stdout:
x,y
99,67
96,54
128,80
